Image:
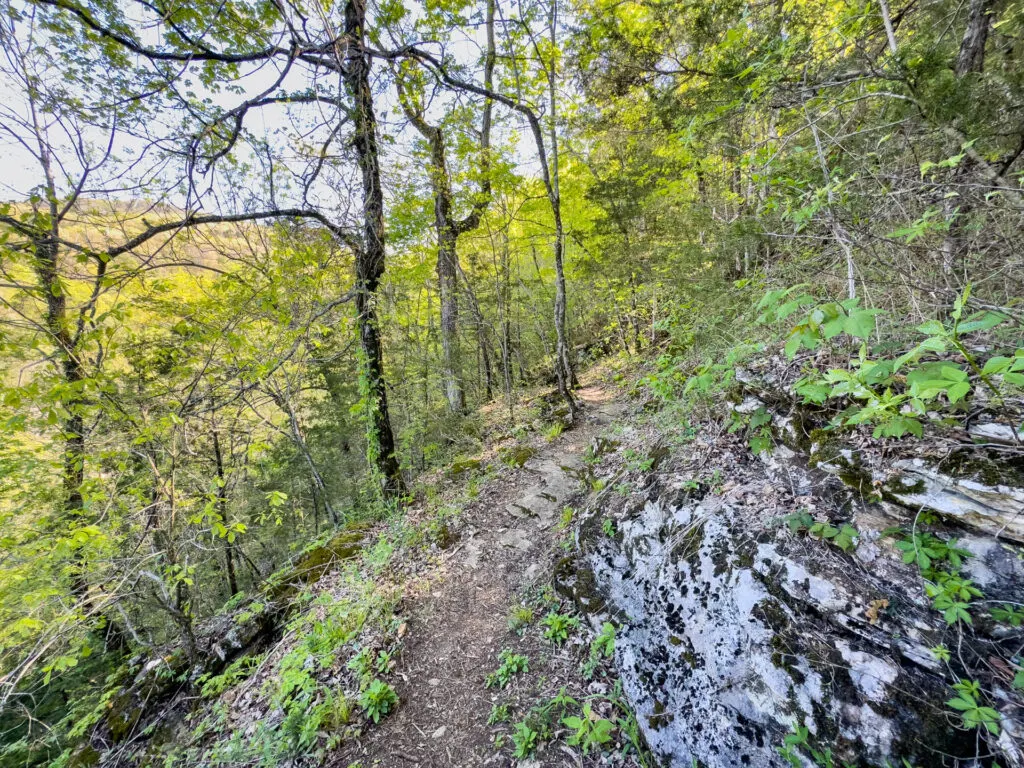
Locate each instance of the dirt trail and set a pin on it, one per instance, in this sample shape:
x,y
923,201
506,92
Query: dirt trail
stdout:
x,y
458,627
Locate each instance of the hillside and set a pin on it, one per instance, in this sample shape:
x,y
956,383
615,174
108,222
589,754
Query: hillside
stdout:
x,y
563,383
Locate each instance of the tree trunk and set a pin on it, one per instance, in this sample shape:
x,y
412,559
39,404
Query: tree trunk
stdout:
x,y
370,257
563,362
447,228
971,57
955,209
447,278
284,402
222,508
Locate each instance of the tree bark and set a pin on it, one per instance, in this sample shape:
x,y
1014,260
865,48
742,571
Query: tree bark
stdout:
x,y
370,256
563,362
447,228
971,57
222,509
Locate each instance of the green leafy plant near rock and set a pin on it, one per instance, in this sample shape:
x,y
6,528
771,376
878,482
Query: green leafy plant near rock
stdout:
x,y
241,669
973,714
601,647
511,664
896,395
589,731
500,713
1008,614
525,739
939,562
558,626
519,618
845,536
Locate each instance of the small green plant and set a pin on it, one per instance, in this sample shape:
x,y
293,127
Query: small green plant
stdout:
x,y
601,647
951,595
519,618
589,731
608,527
941,653
211,686
799,739
378,700
362,662
566,520
845,537
894,395
967,703
758,427
1008,614
525,740
511,664
930,552
516,455
557,626
499,714
604,643
554,431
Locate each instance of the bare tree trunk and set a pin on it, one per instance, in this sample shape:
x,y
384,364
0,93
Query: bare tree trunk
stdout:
x,y
222,507
447,228
284,402
971,57
370,257
563,361
838,230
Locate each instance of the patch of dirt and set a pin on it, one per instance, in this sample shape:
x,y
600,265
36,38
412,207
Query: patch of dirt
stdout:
x,y
458,620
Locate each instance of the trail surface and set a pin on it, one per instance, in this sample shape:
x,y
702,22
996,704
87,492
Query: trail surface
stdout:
x,y
458,625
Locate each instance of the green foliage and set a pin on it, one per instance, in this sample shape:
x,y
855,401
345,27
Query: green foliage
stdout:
x,y
845,537
558,626
823,322
211,686
940,562
972,713
757,425
601,647
377,700
603,643
589,731
951,595
554,431
500,713
930,553
510,664
525,740
799,740
519,618
896,394
1008,614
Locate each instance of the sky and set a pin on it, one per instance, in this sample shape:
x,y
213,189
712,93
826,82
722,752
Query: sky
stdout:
x,y
282,127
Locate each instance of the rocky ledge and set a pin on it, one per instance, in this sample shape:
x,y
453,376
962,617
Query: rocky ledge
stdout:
x,y
740,623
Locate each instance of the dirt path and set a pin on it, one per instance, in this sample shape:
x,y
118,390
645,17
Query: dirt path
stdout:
x,y
458,627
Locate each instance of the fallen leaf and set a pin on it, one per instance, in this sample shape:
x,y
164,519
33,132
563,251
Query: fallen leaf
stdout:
x,y
874,609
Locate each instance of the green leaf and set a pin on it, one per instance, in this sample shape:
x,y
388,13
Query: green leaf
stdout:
x,y
932,328
860,324
981,322
996,365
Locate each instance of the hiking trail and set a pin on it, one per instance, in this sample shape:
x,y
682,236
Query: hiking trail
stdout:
x,y
458,624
